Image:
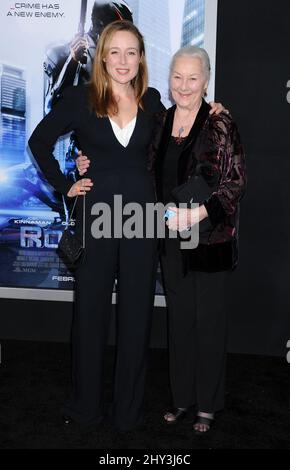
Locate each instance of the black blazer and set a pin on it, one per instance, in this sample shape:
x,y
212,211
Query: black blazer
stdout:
x,y
72,113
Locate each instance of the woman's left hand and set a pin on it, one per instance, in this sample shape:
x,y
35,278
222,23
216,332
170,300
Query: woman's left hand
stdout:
x,y
217,108
183,219
83,163
186,218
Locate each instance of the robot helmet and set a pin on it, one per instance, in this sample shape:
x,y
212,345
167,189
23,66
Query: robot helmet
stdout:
x,y
104,13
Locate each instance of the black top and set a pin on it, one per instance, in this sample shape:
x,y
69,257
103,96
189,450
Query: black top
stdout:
x,y
204,257
95,137
170,168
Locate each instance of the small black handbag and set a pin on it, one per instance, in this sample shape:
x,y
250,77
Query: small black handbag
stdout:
x,y
196,190
70,248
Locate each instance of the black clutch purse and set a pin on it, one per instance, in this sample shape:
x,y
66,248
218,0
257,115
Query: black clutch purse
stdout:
x,y
196,190
70,248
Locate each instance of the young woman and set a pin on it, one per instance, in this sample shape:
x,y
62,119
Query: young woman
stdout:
x,y
113,118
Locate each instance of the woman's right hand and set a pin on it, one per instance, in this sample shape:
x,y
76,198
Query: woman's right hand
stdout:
x,y
83,163
80,188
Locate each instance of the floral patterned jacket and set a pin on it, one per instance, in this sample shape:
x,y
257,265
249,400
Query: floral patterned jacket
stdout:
x,y
213,151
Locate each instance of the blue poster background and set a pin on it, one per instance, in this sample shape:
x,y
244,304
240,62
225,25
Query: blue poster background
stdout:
x,y
32,215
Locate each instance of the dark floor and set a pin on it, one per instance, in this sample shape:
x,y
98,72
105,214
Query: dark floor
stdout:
x,y
34,380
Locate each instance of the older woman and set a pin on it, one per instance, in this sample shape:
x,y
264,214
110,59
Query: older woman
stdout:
x,y
197,157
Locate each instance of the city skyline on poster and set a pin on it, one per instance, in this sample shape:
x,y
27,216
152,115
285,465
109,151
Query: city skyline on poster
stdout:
x,y
31,214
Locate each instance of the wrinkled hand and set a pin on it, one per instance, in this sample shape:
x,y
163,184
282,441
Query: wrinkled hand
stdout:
x,y
83,163
79,47
186,218
217,108
80,188
183,219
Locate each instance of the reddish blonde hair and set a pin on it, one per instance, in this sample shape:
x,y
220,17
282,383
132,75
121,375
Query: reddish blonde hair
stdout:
x,y
101,94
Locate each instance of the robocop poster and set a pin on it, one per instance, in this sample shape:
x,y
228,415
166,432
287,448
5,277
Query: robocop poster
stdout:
x,y
41,53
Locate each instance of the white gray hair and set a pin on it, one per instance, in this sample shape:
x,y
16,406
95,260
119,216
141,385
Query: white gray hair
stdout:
x,y
193,51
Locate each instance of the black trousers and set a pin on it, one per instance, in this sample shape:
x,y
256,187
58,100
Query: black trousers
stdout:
x,y
197,335
135,261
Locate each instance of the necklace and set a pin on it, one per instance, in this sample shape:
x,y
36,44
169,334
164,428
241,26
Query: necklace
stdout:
x,y
180,131
179,140
182,128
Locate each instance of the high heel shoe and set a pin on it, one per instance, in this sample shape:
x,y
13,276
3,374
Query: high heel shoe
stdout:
x,y
206,422
176,414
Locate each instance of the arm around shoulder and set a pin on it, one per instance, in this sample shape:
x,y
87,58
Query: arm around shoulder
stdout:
x,y
152,100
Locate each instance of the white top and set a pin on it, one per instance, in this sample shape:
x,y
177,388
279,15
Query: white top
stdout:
x,y
124,135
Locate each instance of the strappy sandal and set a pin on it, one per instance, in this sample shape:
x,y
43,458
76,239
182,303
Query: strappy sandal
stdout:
x,y
178,414
203,420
